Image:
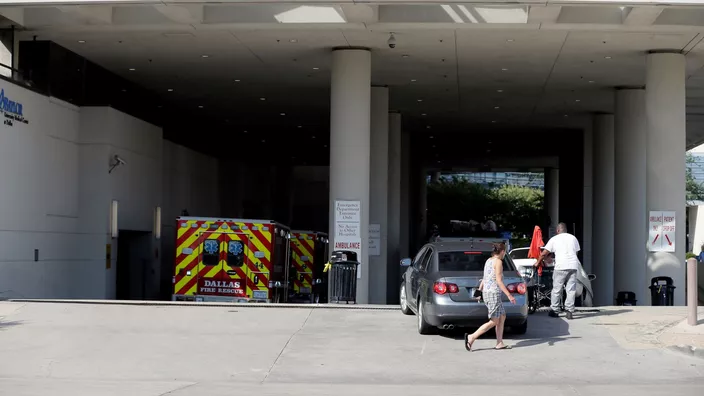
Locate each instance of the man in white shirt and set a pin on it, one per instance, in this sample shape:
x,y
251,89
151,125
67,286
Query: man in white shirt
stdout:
x,y
565,246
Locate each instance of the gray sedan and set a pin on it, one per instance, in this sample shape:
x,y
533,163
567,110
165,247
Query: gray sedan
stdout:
x,y
439,283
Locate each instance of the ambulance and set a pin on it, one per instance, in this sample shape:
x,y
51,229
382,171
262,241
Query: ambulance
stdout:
x,y
231,260
309,251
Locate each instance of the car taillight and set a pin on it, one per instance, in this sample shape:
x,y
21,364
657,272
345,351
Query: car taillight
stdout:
x,y
519,288
444,288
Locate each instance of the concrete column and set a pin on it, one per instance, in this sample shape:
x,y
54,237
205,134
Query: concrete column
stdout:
x,y
350,106
394,239
665,115
552,196
435,177
378,209
422,207
603,231
588,198
405,244
630,224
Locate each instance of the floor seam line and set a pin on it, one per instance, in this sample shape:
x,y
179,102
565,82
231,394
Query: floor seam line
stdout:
x,y
286,346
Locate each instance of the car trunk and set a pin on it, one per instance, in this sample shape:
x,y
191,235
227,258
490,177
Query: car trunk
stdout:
x,y
468,281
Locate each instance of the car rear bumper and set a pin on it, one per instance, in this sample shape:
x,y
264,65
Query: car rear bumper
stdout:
x,y
447,312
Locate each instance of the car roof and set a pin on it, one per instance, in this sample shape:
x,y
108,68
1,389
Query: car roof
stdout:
x,y
462,246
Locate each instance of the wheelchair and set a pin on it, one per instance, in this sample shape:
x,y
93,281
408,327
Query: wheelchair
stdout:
x,y
539,294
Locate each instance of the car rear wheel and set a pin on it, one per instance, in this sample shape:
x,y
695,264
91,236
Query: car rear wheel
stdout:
x,y
423,326
521,329
404,300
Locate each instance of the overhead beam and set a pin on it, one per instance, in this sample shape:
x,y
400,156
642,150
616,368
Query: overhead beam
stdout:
x,y
190,14
544,14
15,14
641,16
93,14
360,13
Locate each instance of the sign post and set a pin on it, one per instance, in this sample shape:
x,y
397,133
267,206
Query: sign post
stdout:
x,y
348,229
661,231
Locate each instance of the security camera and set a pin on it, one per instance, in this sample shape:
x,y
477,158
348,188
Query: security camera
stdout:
x,y
392,41
117,161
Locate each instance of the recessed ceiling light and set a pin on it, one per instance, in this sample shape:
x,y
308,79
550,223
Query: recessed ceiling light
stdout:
x,y
262,99
428,127
316,68
499,90
132,69
577,100
124,90
325,145
414,80
200,107
405,56
170,89
424,114
566,116
293,41
496,107
237,80
283,114
205,56
504,69
430,137
510,40
591,81
420,100
607,57
493,122
439,162
245,131
81,41
300,126
312,137
263,140
434,146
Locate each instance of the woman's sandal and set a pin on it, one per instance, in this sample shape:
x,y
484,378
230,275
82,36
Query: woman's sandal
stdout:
x,y
467,344
504,347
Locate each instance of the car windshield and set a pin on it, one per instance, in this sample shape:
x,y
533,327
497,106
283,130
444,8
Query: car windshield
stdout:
x,y
519,254
465,261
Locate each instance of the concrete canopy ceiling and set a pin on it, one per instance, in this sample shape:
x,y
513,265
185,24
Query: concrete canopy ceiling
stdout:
x,y
458,67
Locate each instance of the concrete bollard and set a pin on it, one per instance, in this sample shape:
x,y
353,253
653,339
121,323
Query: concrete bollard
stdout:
x,y
692,289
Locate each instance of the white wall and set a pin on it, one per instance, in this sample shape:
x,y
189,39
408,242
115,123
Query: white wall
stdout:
x,y
39,202
56,196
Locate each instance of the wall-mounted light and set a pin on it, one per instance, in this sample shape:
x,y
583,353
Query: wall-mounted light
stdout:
x,y
157,222
113,219
116,161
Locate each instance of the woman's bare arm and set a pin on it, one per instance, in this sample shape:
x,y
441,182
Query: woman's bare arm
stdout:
x,y
499,271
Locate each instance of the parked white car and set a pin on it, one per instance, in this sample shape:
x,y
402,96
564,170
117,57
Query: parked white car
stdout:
x,y
585,295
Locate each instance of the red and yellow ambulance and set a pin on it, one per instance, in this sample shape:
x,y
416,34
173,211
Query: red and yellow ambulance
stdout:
x,y
231,260
309,250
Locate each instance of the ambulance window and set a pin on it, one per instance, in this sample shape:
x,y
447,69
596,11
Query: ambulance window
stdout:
x,y
235,253
211,252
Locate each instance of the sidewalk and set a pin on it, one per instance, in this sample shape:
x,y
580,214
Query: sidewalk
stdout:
x,y
654,328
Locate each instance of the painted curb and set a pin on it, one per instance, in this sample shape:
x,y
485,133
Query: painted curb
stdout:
x,y
688,350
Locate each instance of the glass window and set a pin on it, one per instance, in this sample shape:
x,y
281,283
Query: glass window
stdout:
x,y
419,257
467,261
520,254
425,263
235,253
211,252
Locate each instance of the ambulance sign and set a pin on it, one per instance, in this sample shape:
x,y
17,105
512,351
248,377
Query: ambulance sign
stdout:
x,y
348,228
661,231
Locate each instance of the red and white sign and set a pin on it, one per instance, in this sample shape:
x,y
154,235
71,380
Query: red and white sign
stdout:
x,y
214,287
661,231
348,229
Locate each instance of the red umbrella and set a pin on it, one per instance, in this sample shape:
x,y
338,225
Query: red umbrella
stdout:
x,y
535,244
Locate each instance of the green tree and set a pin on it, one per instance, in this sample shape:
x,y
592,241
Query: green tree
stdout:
x,y
513,208
695,190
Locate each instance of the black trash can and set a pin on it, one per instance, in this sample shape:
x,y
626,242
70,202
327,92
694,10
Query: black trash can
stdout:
x,y
343,277
626,298
662,291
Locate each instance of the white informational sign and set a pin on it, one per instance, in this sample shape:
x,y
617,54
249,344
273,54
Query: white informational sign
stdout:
x,y
661,231
374,248
348,229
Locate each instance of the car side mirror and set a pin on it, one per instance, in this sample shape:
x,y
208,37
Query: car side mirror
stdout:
x,y
591,277
406,262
